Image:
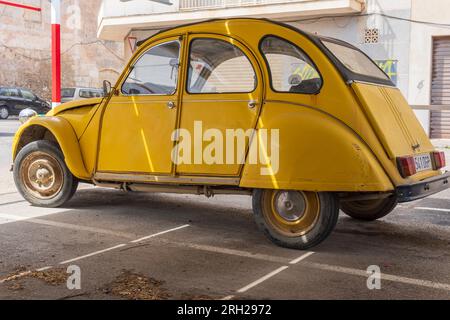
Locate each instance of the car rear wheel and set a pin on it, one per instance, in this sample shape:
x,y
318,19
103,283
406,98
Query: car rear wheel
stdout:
x,y
41,175
4,113
369,210
295,219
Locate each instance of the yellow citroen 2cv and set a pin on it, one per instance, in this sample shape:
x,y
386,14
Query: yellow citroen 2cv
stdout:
x,y
307,125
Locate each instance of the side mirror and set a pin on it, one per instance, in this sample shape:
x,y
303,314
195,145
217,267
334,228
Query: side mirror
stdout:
x,y
107,88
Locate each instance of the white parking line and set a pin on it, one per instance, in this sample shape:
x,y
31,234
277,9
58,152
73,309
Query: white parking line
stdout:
x,y
303,257
262,279
93,254
159,233
384,276
123,245
69,226
25,273
432,209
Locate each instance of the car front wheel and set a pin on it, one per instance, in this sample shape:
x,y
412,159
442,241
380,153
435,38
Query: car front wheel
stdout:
x,y
369,210
41,175
295,219
4,113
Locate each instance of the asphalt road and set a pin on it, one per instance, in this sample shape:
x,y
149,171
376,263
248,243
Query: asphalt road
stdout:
x,y
178,246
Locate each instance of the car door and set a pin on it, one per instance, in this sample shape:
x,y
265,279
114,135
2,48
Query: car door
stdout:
x,y
17,102
222,97
138,122
29,99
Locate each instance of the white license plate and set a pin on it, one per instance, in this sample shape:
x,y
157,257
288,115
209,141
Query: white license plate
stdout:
x,y
423,162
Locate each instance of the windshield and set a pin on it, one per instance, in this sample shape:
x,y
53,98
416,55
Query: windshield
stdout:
x,y
355,61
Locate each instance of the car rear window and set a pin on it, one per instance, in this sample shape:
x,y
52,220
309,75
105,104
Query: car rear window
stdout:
x,y
355,60
291,70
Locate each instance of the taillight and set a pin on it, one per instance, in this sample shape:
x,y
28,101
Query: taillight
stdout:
x,y
438,160
406,166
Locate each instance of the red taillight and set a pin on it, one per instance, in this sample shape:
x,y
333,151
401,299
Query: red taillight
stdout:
x,y
406,166
438,160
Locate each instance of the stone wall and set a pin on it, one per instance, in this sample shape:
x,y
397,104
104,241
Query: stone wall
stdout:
x,y
25,47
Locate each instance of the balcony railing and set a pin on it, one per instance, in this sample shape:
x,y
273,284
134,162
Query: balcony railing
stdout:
x,y
220,4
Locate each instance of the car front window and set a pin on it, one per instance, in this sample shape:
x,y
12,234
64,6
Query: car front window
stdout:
x,y
156,71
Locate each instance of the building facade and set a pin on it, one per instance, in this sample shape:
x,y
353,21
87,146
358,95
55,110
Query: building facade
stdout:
x,y
409,39
25,47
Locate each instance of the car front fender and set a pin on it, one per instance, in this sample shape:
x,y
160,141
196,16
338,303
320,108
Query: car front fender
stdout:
x,y
65,136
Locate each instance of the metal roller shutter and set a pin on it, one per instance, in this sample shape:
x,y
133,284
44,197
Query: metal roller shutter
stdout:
x,y
440,88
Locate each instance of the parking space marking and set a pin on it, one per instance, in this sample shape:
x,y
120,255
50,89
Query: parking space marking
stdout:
x,y
269,275
71,226
23,213
432,209
262,279
384,276
93,254
159,233
227,251
123,244
302,257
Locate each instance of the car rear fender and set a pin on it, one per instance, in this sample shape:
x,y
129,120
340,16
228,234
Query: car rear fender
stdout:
x,y
317,152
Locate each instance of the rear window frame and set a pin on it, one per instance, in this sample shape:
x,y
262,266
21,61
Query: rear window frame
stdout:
x,y
270,71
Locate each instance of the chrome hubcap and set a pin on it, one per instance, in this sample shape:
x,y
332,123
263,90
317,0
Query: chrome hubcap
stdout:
x,y
290,205
42,175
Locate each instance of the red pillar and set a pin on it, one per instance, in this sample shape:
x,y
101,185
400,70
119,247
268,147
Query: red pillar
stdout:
x,y
56,52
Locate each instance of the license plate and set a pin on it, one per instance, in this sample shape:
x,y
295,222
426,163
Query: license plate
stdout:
x,y
423,162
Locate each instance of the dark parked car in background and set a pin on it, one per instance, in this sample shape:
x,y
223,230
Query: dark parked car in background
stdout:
x,y
13,100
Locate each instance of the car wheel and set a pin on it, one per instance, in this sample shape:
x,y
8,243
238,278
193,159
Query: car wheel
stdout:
x,y
41,175
295,219
4,113
369,210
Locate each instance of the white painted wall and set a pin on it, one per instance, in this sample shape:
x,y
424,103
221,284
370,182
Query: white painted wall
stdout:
x,y
421,51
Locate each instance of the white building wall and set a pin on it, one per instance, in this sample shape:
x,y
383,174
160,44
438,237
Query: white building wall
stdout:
x,y
437,11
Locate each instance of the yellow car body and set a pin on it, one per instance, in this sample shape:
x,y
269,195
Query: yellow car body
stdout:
x,y
346,138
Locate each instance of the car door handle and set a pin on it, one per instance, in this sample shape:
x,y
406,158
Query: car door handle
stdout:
x,y
171,105
252,104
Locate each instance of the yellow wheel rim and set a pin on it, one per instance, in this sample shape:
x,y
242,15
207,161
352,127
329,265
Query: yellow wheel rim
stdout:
x,y
291,213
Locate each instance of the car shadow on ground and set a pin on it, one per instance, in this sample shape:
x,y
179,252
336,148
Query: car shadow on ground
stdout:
x,y
221,214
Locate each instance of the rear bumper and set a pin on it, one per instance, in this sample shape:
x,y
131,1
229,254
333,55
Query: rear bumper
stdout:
x,y
423,188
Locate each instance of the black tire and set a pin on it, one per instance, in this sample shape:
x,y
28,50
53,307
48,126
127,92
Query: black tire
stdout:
x,y
46,156
369,210
306,235
4,112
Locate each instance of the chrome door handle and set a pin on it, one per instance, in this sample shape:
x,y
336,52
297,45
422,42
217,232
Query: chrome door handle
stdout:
x,y
171,105
252,104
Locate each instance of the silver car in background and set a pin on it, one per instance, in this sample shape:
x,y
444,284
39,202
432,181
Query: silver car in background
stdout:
x,y
78,93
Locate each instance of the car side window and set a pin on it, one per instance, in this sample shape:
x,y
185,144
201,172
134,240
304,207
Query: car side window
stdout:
x,y
217,66
4,92
291,70
27,94
156,71
14,93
